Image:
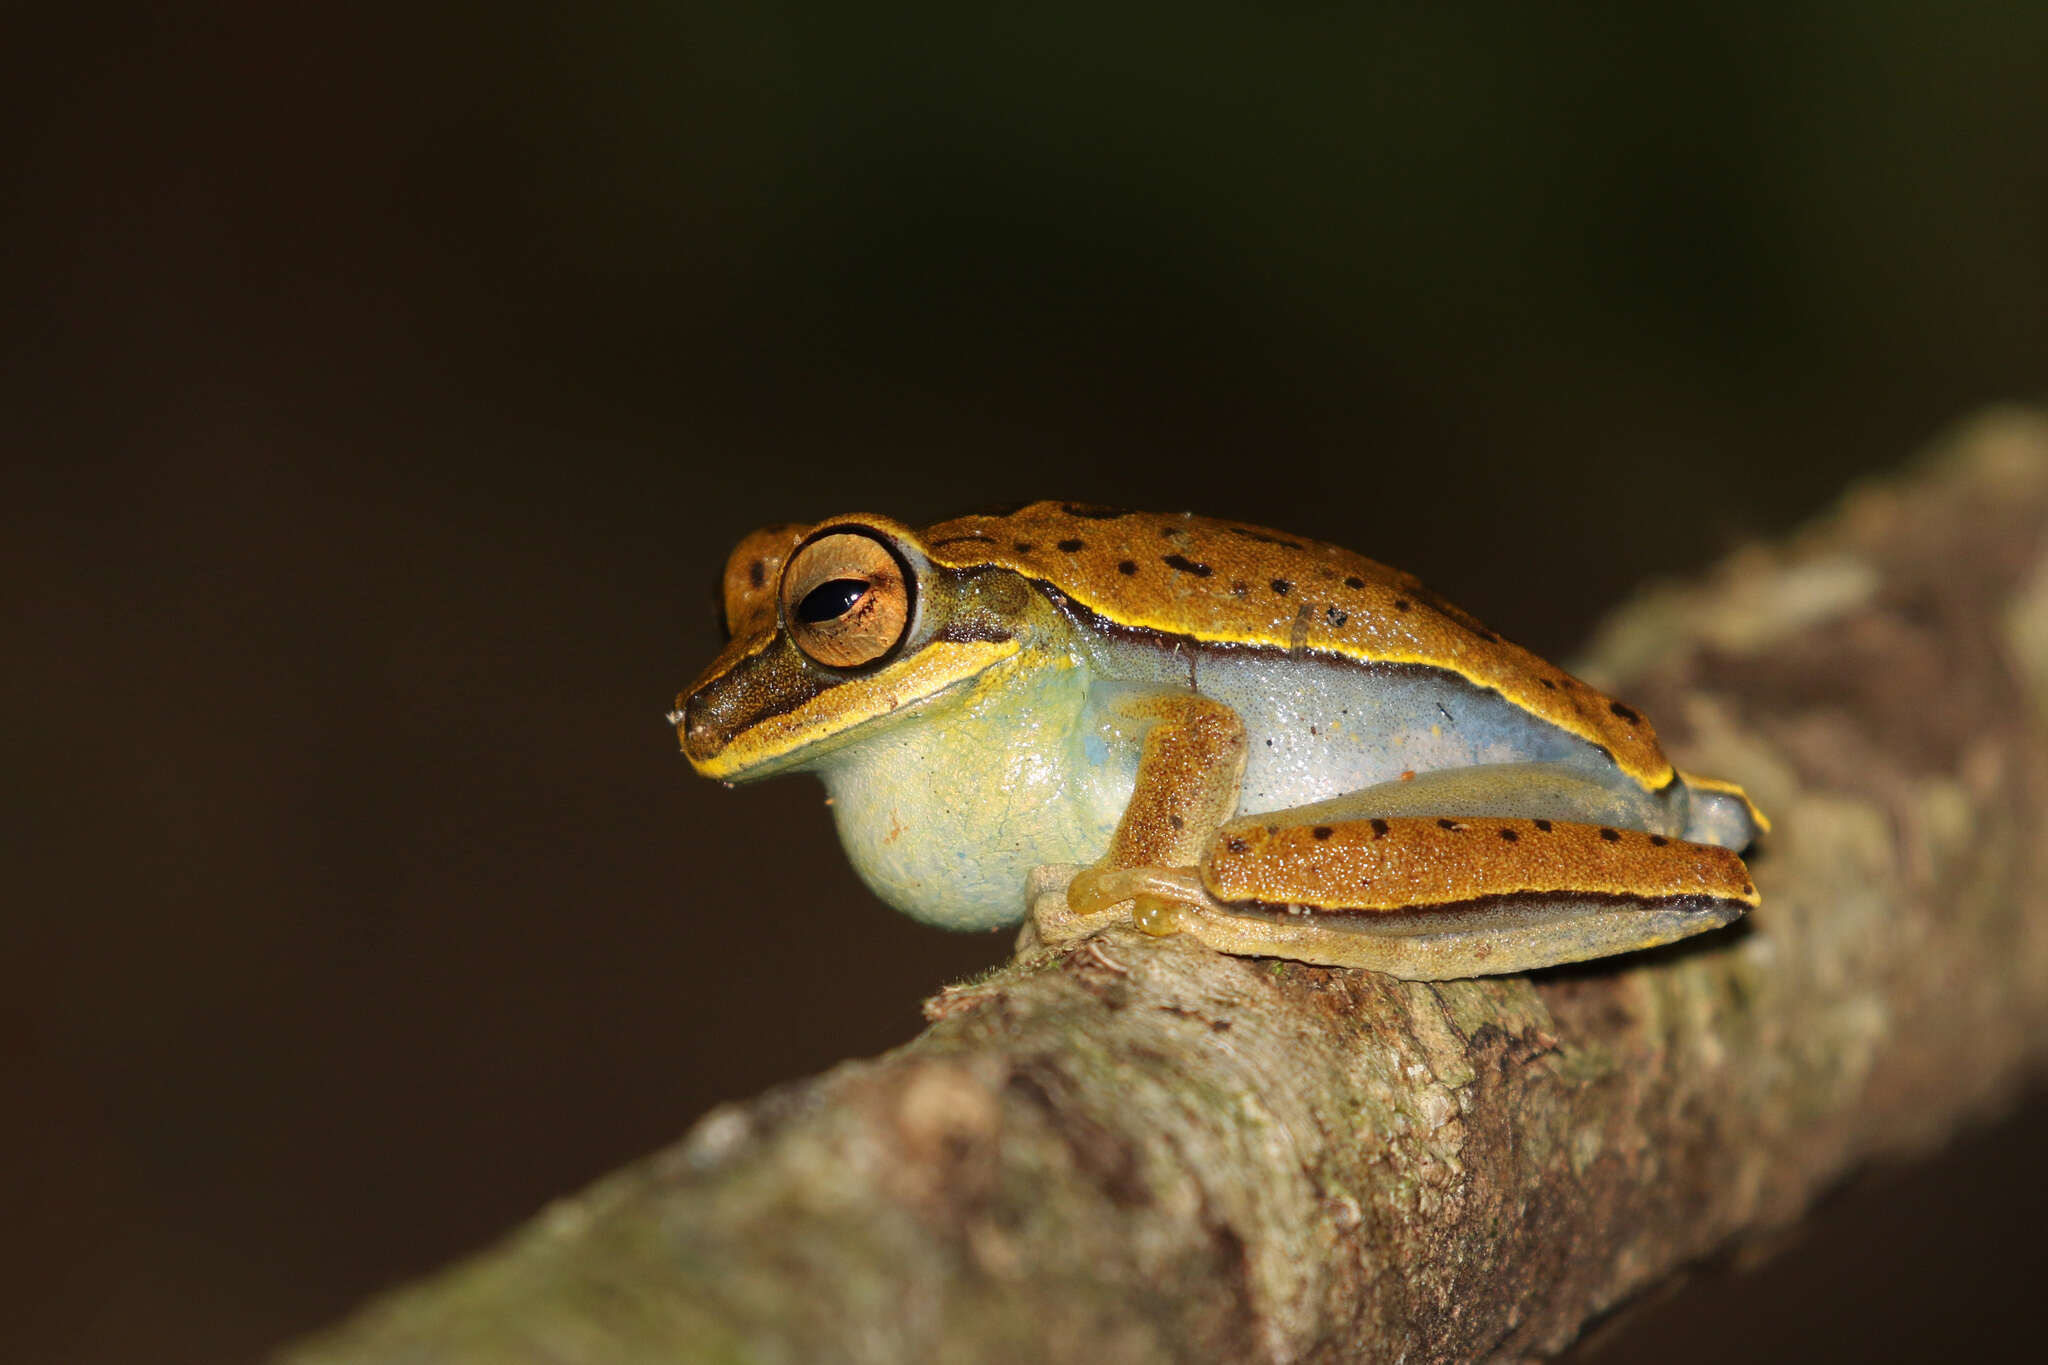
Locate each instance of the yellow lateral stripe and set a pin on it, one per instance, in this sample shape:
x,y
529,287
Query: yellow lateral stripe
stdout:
x,y
1411,862
1231,584
938,665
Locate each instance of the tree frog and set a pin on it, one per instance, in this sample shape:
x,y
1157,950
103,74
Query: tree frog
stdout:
x,y
1184,725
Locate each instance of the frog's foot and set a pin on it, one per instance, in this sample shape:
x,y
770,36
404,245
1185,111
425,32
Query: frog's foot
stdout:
x,y
1153,900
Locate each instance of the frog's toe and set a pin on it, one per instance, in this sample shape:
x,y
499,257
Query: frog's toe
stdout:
x,y
1161,915
1097,889
1069,904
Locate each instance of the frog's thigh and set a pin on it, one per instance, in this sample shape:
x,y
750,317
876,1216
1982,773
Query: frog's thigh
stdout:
x,y
1448,897
1550,791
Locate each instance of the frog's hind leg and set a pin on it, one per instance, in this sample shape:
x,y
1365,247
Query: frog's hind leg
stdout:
x,y
1514,935
1449,896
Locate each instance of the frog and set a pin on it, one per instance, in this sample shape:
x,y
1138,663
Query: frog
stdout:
x,y
1103,721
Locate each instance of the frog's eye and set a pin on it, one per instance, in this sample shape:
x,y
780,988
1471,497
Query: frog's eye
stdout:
x,y
845,600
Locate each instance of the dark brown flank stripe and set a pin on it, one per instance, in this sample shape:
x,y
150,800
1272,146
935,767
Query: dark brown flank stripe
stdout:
x,y
961,539
1281,911
1189,644
1336,617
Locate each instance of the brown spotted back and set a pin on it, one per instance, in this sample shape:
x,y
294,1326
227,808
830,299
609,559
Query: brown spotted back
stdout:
x,y
1229,583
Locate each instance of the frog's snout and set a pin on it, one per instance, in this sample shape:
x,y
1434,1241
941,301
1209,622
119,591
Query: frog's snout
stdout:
x,y
700,734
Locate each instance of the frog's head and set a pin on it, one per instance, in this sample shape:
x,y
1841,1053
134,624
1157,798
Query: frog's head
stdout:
x,y
833,627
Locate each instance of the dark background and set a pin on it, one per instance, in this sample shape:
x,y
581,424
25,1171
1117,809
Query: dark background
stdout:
x,y
384,387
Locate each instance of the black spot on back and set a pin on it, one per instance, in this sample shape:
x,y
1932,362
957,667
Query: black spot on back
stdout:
x,y
1548,683
1186,565
1624,712
1379,829
1510,836
1322,831
1127,567
1070,545
1282,586
1236,845
1402,604
1354,582
757,573
1023,547
1659,840
1335,617
1543,825
1448,824
1612,836
1093,511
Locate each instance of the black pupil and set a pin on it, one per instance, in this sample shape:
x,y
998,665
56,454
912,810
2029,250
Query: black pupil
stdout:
x,y
829,601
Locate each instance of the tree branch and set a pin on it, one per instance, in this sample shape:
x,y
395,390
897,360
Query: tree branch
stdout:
x,y
1142,1150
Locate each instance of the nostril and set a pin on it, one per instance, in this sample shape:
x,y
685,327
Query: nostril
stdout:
x,y
699,730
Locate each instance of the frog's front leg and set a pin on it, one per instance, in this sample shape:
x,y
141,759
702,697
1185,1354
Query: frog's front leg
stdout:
x,y
1190,768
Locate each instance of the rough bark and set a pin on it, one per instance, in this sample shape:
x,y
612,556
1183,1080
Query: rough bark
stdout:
x,y
1141,1150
